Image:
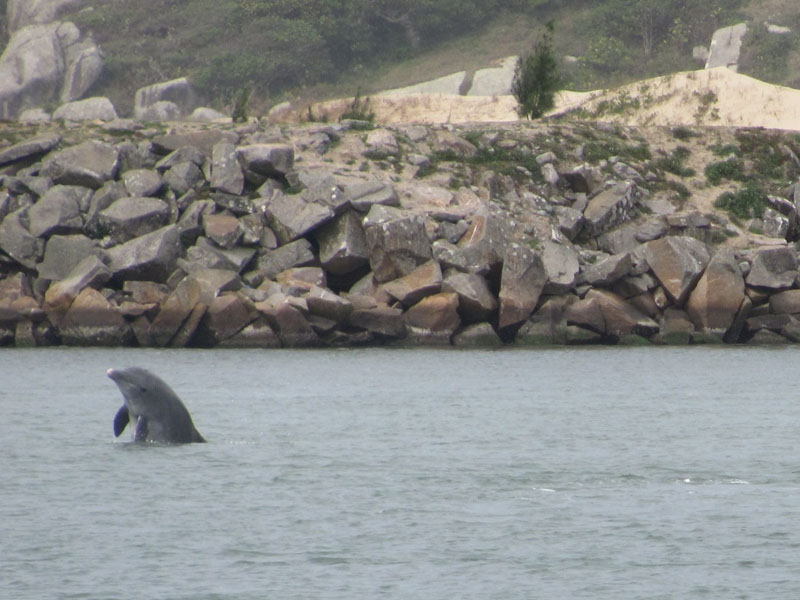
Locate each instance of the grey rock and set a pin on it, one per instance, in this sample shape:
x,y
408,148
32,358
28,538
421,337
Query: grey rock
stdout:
x,y
128,218
202,140
226,315
677,262
620,318
342,244
299,253
561,266
291,217
32,148
382,143
475,300
774,268
17,241
89,164
34,115
182,155
607,271
160,112
324,303
88,272
718,295
183,177
364,194
776,225
522,281
190,225
423,281
222,228
485,243
397,242
611,207
568,220
63,253
268,160
226,173
142,182
59,210
726,43
380,320
179,92
90,109
204,114
150,257
478,335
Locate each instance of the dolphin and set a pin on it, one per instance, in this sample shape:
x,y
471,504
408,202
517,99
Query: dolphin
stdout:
x,y
155,412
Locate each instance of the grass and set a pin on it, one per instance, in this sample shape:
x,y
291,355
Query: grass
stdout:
x,y
746,203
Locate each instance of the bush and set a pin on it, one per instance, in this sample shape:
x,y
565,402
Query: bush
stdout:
x,y
359,110
733,168
746,203
536,78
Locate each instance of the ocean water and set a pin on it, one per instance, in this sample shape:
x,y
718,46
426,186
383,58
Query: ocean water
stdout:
x,y
608,473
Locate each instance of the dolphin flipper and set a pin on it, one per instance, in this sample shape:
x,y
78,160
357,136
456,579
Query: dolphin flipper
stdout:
x,y
141,430
121,420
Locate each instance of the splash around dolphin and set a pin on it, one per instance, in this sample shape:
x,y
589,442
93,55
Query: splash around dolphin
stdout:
x,y
154,411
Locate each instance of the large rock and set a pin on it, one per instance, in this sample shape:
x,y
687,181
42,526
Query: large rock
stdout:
x,y
178,91
36,62
149,257
175,310
773,268
267,160
64,253
484,245
32,148
475,300
59,210
89,164
561,266
291,217
128,218
90,109
37,12
93,321
226,173
521,283
342,244
226,316
142,182
726,43
611,207
397,242
437,313
299,253
677,262
620,318
422,281
608,270
785,303
16,240
383,321
292,327
716,299
91,271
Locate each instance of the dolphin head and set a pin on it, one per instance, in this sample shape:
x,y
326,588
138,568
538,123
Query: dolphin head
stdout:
x,y
144,392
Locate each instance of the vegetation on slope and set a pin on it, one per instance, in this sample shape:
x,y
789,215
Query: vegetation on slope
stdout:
x,y
286,48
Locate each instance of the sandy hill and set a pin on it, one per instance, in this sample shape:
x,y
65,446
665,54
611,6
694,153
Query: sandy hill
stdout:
x,y
714,97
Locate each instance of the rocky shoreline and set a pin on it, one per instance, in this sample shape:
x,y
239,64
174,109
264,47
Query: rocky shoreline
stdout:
x,y
257,235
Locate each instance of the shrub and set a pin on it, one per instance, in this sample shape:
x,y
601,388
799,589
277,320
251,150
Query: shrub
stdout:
x,y
746,203
733,168
359,109
536,78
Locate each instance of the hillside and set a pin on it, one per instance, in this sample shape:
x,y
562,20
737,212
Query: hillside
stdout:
x,y
308,51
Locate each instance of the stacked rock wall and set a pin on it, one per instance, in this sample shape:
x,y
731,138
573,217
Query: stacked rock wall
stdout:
x,y
247,237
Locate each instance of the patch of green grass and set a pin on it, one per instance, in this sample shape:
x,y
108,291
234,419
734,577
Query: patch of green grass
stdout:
x,y
674,162
724,149
746,203
595,151
732,169
499,160
683,133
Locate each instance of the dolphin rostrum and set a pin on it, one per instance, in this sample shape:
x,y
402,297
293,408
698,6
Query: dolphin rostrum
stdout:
x,y
155,412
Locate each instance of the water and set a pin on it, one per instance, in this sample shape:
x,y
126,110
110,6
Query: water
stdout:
x,y
610,473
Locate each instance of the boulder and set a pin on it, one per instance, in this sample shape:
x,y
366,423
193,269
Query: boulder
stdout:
x,y
89,164
21,13
160,112
59,210
183,177
475,300
522,281
715,300
179,91
226,173
586,313
364,194
677,262
89,272
204,114
478,335
547,324
222,228
484,245
611,207
561,266
342,244
292,327
200,140
93,321
30,149
142,182
422,281
381,143
608,270
226,315
397,242
726,43
129,218
90,109
381,320
36,62
437,313
773,268
149,257
266,160
569,221
291,217
175,310
64,252
324,303
34,115
785,303
621,318
17,241
257,334
299,253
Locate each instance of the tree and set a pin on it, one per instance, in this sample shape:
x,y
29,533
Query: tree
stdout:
x,y
536,78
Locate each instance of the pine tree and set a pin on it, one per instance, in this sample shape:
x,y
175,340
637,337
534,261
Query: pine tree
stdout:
x,y
536,78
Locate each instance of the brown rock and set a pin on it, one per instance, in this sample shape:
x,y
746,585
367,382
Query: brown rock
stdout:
x,y
785,303
422,281
93,321
715,300
522,281
226,315
437,313
475,301
677,262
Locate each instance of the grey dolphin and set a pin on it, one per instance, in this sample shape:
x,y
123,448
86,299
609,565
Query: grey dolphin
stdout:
x,y
155,412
